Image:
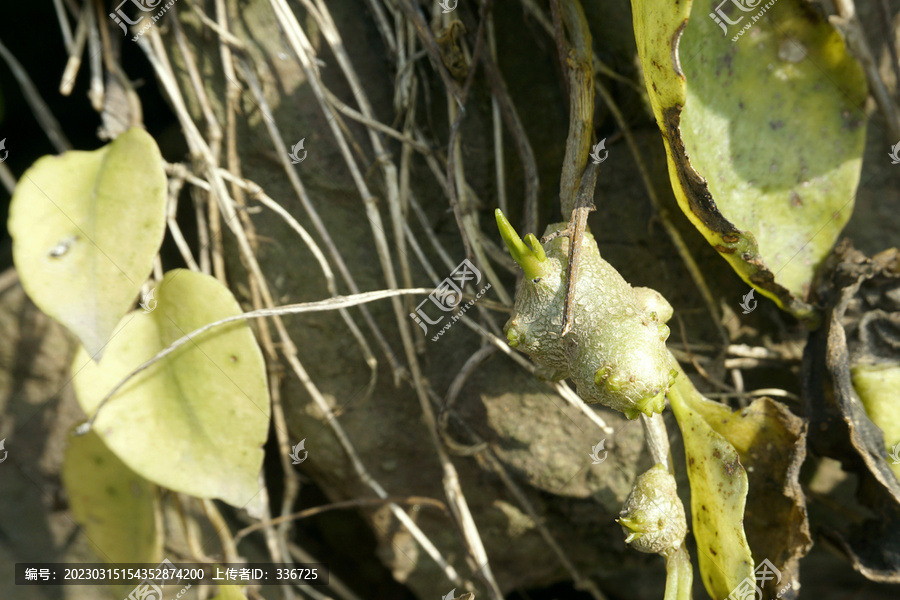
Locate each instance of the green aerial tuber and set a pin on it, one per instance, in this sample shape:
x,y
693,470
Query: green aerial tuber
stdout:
x,y
615,351
653,517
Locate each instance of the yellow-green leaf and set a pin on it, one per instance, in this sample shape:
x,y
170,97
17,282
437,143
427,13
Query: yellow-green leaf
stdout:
x,y
196,420
878,386
771,443
118,509
230,592
85,228
718,495
764,134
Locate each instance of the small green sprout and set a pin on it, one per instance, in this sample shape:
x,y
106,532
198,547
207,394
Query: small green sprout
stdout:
x,y
532,259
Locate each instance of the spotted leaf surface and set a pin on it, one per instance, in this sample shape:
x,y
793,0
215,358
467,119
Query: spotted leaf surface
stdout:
x,y
763,126
718,494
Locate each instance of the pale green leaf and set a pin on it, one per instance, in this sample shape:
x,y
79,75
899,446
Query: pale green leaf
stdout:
x,y
85,229
230,592
718,495
764,135
196,420
878,387
118,509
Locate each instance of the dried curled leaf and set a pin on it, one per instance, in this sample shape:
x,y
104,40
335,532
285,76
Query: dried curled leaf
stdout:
x,y
850,413
616,352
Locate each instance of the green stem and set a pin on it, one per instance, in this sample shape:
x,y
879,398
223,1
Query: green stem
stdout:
x,y
679,570
679,575
682,390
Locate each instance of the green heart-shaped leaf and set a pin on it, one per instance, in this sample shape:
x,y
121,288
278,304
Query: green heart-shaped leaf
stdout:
x,y
118,509
764,132
194,421
86,227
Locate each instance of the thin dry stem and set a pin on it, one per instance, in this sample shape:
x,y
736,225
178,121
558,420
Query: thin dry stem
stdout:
x,y
486,456
356,502
229,550
847,22
200,148
190,528
96,92
7,178
275,312
300,190
581,101
174,229
334,583
497,124
304,51
41,111
76,49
